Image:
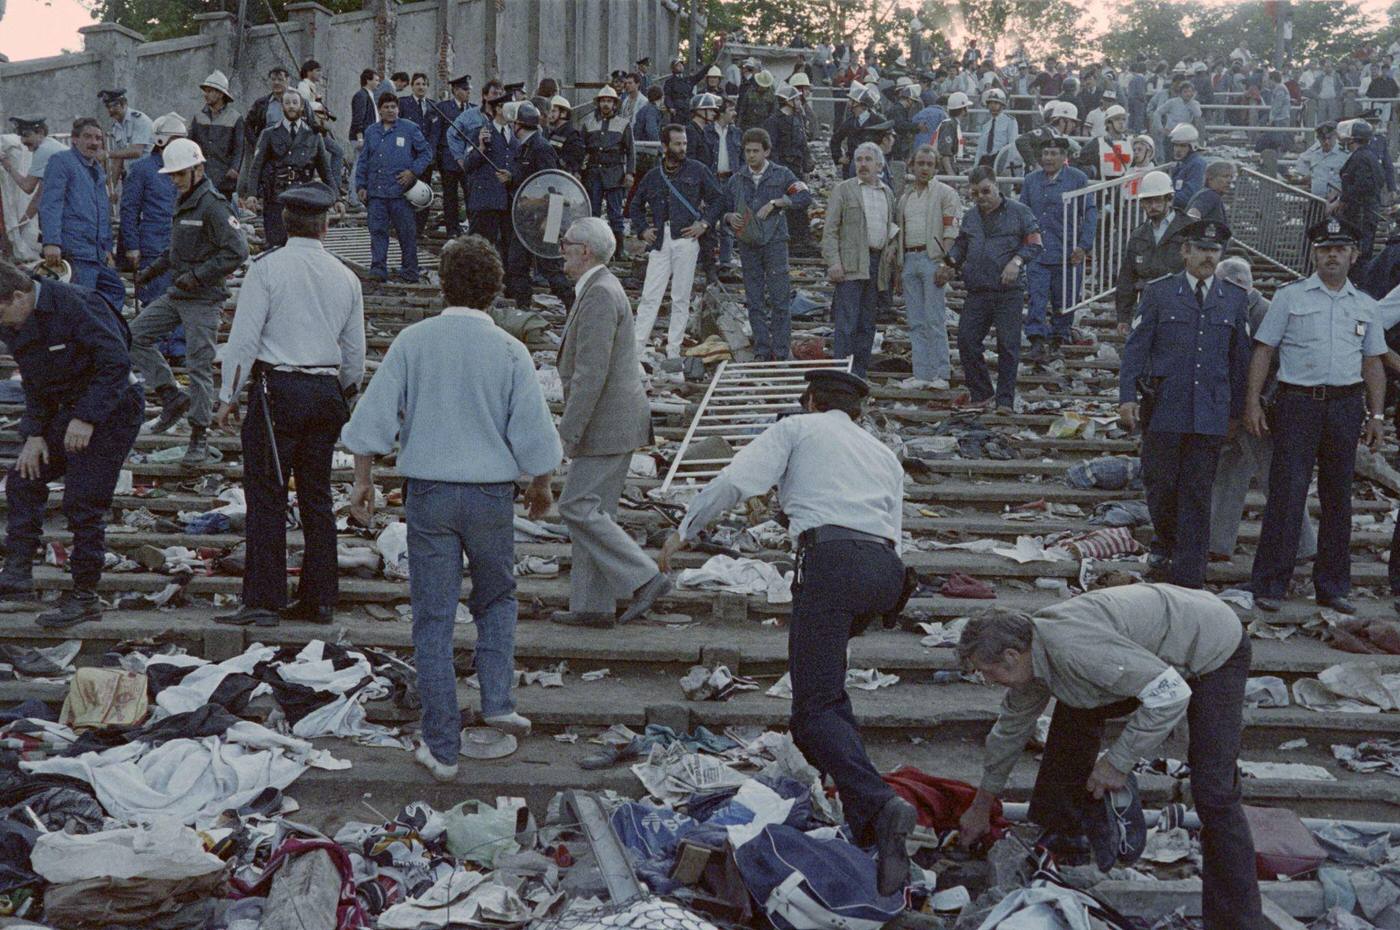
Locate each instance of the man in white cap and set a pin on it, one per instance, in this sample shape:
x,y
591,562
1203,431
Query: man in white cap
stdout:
x,y
206,246
218,131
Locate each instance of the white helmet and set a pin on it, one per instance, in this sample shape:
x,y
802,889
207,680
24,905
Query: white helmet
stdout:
x,y
562,103
420,195
1063,109
511,109
957,100
62,272
800,79
605,93
1344,129
167,127
714,72
856,91
1184,134
1155,184
994,94
787,93
217,80
1114,112
180,155
706,102
764,79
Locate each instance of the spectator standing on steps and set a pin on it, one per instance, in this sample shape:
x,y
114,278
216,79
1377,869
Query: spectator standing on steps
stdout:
x,y
460,398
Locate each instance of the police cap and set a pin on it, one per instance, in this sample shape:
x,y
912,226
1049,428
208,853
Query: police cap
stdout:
x,y
1333,231
1056,142
617,74
842,382
644,61
517,88
314,197
1207,234
25,124
460,80
111,96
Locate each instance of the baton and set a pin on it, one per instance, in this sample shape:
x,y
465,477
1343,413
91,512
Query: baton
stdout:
x,y
271,434
452,127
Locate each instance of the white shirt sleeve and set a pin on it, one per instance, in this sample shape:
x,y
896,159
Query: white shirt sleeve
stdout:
x,y
756,468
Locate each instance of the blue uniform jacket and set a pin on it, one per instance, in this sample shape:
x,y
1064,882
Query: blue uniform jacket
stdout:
x,y
148,204
646,125
1200,355
1188,177
653,205
486,191
986,242
444,115
928,120
74,212
1045,200
1382,150
423,116
775,183
389,150
362,112
72,356
467,126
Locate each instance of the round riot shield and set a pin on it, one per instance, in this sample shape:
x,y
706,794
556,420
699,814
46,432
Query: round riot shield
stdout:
x,y
543,208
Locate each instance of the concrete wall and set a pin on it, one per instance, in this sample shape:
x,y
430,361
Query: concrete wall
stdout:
x,y
576,41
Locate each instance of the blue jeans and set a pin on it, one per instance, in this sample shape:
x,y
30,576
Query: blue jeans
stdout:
x,y
768,292
1323,433
598,196
926,305
853,319
384,211
726,243
1046,284
446,519
982,309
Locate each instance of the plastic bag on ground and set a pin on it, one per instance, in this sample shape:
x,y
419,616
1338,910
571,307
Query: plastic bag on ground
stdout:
x,y
480,832
164,849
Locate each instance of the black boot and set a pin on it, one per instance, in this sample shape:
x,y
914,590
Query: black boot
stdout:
x,y
76,606
1037,351
17,580
174,403
197,452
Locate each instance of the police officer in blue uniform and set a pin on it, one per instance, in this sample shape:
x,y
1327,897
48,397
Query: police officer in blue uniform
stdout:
x,y
535,155
82,411
147,206
1188,356
288,153
395,157
488,163
1331,393
75,216
1362,185
454,184
1042,191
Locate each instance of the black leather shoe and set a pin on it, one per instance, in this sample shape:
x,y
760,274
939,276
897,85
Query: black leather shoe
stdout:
x,y
73,607
1271,604
249,616
648,594
16,585
583,618
1340,604
303,612
893,825
172,409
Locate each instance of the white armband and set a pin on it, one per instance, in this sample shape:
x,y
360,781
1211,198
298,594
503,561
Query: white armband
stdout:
x,y
1166,689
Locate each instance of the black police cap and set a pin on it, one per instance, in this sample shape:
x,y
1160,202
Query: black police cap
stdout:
x,y
644,61
110,95
843,382
511,88
314,197
460,80
1207,233
1058,142
28,123
1333,231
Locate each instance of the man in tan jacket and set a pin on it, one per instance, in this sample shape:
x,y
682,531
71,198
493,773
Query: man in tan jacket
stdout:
x,y
858,247
606,418
928,216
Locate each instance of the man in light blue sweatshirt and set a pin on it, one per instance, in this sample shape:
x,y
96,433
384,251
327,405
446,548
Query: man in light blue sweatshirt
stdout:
x,y
462,399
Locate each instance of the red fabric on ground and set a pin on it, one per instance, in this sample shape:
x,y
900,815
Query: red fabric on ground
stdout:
x,y
940,801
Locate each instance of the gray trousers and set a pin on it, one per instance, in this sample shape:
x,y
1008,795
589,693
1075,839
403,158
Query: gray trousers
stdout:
x,y
1241,459
607,563
201,321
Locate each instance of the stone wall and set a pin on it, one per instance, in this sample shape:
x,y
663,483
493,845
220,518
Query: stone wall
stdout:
x,y
576,41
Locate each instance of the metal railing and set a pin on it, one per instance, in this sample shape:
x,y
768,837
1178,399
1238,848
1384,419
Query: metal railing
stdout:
x,y
1270,219
1118,214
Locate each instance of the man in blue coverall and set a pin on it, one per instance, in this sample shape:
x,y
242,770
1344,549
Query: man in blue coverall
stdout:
x,y
394,156
1188,353
82,410
147,210
75,217
1052,284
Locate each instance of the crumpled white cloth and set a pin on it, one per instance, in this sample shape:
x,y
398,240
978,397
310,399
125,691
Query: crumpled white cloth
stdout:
x,y
1040,907
742,576
190,780
1293,771
866,679
1027,549
194,689
164,849
943,634
488,904
1351,687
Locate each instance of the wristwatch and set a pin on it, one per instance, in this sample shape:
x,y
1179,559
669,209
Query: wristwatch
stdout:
x,y
1378,416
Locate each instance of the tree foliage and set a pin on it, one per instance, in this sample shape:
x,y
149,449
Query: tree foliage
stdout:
x,y
166,19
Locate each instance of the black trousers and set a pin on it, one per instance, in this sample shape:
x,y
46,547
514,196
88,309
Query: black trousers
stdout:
x,y
89,478
493,226
454,194
1321,433
1178,470
836,583
1229,888
274,228
303,416
518,284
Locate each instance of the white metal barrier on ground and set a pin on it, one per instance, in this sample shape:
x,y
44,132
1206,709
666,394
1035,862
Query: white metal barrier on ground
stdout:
x,y
744,399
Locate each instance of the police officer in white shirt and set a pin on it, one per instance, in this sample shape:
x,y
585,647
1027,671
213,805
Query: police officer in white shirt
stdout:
x,y
843,492
298,342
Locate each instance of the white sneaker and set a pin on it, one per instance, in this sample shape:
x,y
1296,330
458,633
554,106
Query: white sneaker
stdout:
x,y
426,759
512,723
939,384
